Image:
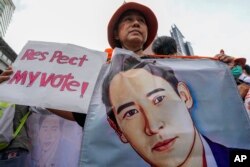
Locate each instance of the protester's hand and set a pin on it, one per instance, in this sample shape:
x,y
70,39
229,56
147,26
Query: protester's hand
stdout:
x,y
243,89
226,59
6,74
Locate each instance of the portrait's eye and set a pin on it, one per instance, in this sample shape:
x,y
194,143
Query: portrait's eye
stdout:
x,y
130,113
158,99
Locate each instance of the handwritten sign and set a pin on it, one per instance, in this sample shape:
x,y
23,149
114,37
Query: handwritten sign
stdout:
x,y
53,75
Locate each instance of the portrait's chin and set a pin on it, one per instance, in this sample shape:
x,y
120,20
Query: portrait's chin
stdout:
x,y
168,156
169,161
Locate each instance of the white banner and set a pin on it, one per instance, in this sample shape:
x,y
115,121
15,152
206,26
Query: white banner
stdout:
x,y
53,75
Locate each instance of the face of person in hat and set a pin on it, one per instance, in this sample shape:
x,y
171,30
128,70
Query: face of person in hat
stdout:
x,y
133,26
153,118
132,30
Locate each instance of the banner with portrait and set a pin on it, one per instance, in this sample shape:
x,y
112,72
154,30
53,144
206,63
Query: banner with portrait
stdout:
x,y
164,112
55,141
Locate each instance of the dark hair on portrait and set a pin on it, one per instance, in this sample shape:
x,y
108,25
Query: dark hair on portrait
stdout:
x,y
164,45
1,71
122,64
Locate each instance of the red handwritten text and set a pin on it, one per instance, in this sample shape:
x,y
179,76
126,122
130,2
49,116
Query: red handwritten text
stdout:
x,y
63,82
31,54
64,59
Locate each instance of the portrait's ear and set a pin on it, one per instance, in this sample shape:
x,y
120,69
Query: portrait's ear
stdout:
x,y
117,130
185,94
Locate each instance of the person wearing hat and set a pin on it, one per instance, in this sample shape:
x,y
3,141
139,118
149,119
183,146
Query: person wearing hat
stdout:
x,y
133,27
229,60
236,66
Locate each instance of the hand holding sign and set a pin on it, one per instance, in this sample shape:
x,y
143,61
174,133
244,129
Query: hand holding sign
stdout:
x,y
5,75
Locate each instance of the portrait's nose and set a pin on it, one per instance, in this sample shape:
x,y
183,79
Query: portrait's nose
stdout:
x,y
153,122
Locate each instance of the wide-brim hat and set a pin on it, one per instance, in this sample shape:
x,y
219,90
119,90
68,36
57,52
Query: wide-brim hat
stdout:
x,y
148,14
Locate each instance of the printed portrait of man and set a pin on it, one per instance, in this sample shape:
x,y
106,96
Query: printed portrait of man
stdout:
x,y
50,146
150,109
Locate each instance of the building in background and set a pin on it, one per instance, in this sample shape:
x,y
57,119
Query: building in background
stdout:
x,y
7,55
183,46
189,48
7,8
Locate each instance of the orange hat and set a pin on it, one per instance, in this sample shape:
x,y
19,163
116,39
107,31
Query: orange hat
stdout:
x,y
240,61
148,14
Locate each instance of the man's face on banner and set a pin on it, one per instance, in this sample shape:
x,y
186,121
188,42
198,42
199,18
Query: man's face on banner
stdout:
x,y
49,132
152,117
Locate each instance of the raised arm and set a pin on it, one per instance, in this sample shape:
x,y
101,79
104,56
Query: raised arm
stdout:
x,y
64,114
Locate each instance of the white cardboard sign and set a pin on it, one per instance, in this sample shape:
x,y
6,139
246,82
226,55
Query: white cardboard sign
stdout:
x,y
53,75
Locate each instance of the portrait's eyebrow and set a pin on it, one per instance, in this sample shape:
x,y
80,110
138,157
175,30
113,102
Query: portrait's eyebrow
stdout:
x,y
120,108
154,91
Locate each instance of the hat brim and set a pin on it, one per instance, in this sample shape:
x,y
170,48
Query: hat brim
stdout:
x,y
240,61
148,14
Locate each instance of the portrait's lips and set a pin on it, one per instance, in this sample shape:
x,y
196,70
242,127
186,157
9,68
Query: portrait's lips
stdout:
x,y
164,145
